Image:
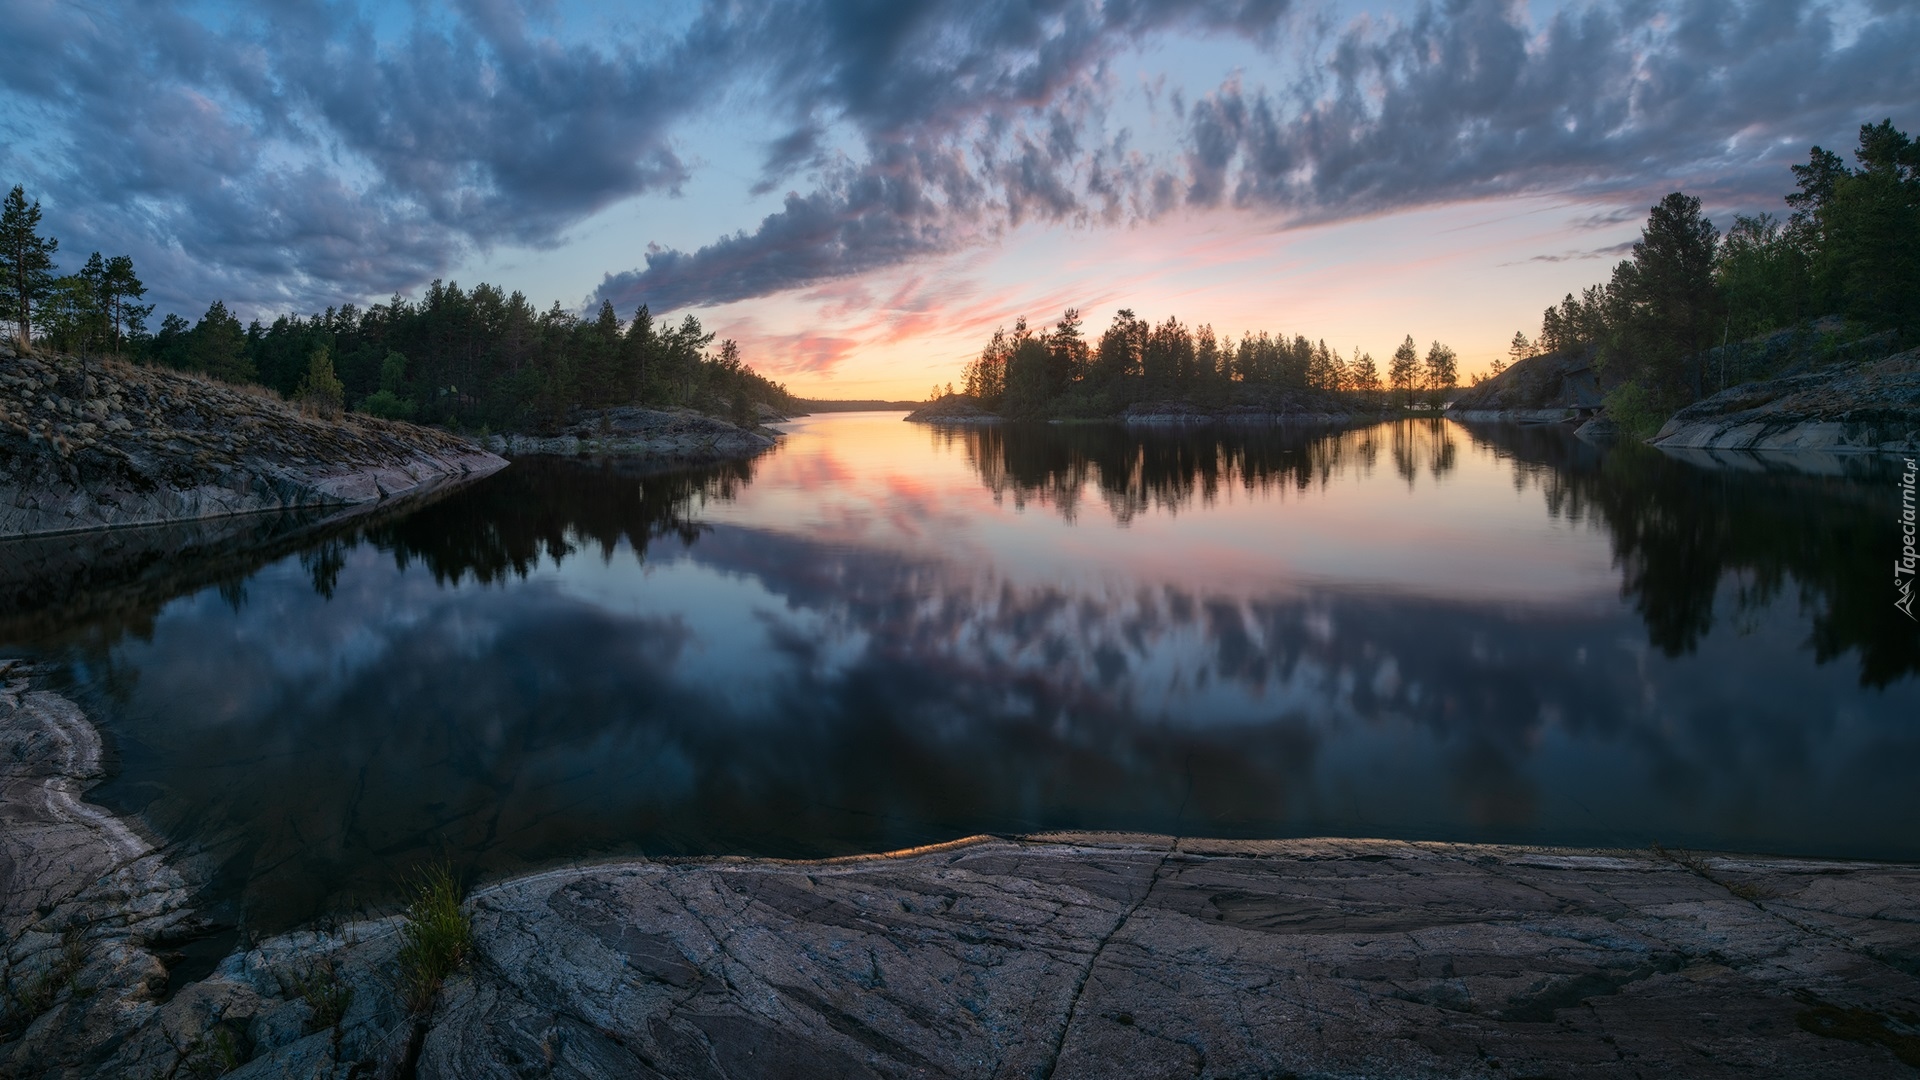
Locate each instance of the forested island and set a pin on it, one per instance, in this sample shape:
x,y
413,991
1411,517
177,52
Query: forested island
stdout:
x,y
1688,315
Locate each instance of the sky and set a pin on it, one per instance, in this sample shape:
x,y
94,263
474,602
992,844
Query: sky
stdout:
x,y
859,191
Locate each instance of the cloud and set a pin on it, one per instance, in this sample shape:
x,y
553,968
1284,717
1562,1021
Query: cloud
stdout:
x,y
1469,101
313,152
1611,251
1613,100
297,158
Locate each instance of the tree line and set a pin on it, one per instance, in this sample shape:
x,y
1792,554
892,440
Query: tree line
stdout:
x,y
469,359
1849,246
1059,372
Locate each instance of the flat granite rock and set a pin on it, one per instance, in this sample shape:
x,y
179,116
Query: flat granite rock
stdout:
x,y
1085,956
1055,956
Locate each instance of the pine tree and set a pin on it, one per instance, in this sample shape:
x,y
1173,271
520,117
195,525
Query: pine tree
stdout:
x,y
1443,369
1365,374
121,290
1403,372
1519,349
26,263
217,346
320,390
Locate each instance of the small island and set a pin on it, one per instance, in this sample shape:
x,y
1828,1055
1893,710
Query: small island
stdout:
x,y
1774,336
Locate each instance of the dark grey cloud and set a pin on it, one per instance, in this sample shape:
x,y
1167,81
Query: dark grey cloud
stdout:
x,y
291,156
309,152
1611,251
1468,101
972,116
1622,99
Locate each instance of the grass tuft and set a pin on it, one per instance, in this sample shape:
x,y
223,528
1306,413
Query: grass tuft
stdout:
x,y
325,993
435,940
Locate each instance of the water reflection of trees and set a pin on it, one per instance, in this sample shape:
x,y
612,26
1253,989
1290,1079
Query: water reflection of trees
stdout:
x,y
103,586
1134,470
1680,531
552,509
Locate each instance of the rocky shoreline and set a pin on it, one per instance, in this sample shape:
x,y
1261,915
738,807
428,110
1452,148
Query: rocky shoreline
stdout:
x,y
90,445
632,431
1866,408
1058,955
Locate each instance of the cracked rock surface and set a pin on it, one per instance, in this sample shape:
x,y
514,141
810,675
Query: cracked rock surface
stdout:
x,y
1065,955
104,443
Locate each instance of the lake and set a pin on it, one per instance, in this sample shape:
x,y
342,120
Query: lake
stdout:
x,y
882,634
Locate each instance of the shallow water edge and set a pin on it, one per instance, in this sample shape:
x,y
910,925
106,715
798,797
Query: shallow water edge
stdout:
x,y
1040,955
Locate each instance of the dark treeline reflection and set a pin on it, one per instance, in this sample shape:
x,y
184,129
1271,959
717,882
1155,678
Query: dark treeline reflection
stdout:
x,y
1722,538
1134,470
551,508
1680,528
97,588
570,659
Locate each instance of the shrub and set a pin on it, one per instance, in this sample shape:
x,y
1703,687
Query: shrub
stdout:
x,y
320,390
1640,412
387,405
325,993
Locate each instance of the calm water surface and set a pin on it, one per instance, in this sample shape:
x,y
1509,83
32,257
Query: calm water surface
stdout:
x,y
881,635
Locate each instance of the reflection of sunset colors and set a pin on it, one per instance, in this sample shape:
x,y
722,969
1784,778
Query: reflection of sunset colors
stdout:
x,y
882,635
1415,507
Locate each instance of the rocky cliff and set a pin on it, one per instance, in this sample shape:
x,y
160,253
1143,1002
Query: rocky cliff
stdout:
x,y
90,445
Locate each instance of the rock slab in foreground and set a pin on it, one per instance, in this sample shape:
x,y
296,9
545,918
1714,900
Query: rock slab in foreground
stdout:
x,y
1103,956
86,446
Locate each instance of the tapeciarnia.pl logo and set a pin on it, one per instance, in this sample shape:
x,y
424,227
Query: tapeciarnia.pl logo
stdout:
x,y
1903,566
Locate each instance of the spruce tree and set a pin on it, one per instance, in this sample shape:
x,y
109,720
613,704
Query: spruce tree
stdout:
x,y
26,262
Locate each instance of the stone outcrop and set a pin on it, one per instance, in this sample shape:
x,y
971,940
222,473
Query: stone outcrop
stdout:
x,y
90,445
632,431
1067,955
1551,387
84,899
1871,407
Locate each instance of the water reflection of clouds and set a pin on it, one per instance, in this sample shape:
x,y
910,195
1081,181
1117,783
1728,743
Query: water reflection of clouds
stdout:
x,y
649,666
1206,509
